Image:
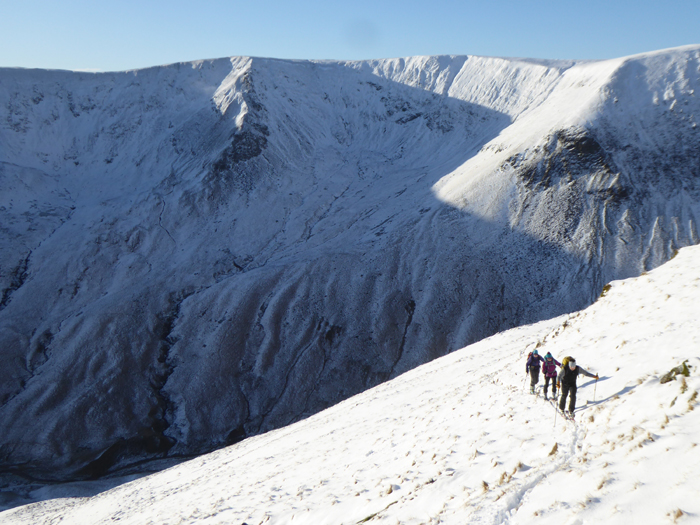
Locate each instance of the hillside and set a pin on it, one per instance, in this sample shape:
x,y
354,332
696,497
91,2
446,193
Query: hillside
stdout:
x,y
459,441
198,253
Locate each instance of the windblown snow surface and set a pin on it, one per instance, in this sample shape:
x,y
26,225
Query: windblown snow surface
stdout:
x,y
459,440
199,253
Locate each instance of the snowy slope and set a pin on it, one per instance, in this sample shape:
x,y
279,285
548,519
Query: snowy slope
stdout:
x,y
459,441
198,253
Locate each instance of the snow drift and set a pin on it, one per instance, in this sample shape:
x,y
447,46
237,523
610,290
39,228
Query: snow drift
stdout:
x,y
197,253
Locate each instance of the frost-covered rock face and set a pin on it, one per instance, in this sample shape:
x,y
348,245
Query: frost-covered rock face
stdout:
x,y
197,253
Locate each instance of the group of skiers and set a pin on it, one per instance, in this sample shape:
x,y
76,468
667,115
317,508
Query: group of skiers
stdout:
x,y
565,379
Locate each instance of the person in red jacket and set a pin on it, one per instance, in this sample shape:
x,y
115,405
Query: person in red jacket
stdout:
x,y
549,369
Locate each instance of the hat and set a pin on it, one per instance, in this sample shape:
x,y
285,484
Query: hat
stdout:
x,y
534,352
548,356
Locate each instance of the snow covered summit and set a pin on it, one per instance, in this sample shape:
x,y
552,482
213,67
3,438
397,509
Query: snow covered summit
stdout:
x,y
195,254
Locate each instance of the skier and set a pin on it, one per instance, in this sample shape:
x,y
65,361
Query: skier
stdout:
x,y
533,368
549,369
566,380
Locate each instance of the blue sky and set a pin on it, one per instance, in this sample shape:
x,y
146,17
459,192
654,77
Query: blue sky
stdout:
x,y
129,34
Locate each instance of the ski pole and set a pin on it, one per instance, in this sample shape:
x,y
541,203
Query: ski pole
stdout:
x,y
594,387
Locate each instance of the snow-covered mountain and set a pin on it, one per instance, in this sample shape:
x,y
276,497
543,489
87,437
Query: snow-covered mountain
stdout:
x,y
197,253
459,440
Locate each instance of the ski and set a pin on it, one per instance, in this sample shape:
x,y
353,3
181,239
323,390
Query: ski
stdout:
x,y
566,414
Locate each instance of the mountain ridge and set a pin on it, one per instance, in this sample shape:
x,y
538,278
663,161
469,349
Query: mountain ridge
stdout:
x,y
205,252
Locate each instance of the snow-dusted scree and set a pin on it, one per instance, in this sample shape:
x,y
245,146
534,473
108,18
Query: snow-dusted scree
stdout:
x,y
199,253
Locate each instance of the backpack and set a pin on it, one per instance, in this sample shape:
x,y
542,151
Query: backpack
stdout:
x,y
566,360
548,367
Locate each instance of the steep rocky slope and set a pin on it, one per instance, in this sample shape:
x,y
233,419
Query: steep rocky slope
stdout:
x,y
196,253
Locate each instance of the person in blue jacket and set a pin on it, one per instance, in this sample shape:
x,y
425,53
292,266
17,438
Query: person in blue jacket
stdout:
x,y
532,367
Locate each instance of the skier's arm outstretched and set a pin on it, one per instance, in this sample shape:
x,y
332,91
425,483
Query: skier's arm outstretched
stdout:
x,y
587,373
